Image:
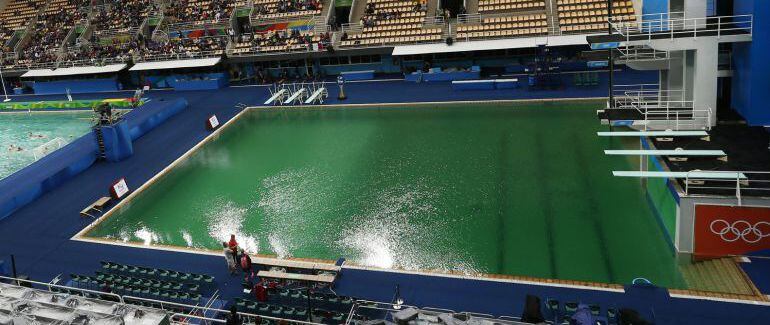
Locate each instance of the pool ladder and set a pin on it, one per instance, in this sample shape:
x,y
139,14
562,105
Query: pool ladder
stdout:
x,y
100,140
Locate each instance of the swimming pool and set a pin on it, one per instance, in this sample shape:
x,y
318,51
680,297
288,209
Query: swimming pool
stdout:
x,y
28,131
499,188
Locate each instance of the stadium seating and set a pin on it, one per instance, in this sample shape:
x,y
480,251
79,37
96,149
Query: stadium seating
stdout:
x,y
281,9
185,48
199,11
505,26
392,22
119,15
16,15
581,16
49,31
145,282
280,41
486,6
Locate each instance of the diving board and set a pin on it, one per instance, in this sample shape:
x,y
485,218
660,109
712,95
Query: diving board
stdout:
x,y
693,174
703,153
277,97
317,96
297,96
653,134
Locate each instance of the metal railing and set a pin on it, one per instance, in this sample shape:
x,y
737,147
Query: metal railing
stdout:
x,y
640,54
48,287
370,309
179,56
676,26
677,115
265,50
722,182
194,310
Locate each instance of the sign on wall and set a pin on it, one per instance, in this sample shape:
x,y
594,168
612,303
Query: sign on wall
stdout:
x,y
730,230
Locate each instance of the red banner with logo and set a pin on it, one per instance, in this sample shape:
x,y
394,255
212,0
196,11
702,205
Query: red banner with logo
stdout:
x,y
726,230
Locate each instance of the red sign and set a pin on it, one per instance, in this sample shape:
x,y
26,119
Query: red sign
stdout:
x,y
726,230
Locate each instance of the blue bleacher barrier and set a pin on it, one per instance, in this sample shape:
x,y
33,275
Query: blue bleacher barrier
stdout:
x,y
442,76
148,117
506,83
49,172
473,85
75,86
198,82
117,141
358,75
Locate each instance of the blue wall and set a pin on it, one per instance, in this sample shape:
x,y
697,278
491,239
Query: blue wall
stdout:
x,y
750,82
75,86
654,6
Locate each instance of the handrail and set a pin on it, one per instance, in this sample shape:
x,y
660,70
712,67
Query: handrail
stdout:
x,y
172,318
219,310
677,26
49,285
388,307
742,181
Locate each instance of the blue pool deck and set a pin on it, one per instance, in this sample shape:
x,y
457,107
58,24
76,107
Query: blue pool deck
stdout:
x,y
39,233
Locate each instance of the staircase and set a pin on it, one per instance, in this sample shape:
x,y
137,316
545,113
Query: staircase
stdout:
x,y
722,275
472,6
552,12
102,155
357,11
432,5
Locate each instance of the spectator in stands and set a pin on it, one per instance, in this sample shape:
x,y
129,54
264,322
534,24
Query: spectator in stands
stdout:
x,y
229,258
583,316
532,313
233,318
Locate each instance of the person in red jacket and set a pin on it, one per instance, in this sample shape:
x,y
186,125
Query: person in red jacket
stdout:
x,y
245,262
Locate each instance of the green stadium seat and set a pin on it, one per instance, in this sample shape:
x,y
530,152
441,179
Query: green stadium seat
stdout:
x,y
301,313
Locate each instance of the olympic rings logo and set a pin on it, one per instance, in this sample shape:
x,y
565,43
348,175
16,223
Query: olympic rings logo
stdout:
x,y
740,229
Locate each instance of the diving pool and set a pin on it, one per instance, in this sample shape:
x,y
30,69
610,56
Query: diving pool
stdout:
x,y
27,131
497,188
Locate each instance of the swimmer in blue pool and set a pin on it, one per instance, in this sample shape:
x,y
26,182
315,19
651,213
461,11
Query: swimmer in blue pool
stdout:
x,y
36,136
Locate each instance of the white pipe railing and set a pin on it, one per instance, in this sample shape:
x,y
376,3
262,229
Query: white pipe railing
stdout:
x,y
50,285
727,181
665,24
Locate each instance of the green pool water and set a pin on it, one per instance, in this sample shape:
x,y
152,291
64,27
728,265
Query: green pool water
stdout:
x,y
516,189
29,131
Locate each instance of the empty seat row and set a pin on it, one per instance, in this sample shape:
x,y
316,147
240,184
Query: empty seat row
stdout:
x,y
503,33
156,272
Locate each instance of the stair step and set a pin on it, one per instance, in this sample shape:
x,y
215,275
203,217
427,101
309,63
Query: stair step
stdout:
x,y
716,275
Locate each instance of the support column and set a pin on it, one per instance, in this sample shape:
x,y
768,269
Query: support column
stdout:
x,y
705,66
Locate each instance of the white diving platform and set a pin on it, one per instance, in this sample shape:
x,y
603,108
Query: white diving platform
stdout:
x,y
692,175
653,134
297,96
317,96
703,153
277,97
